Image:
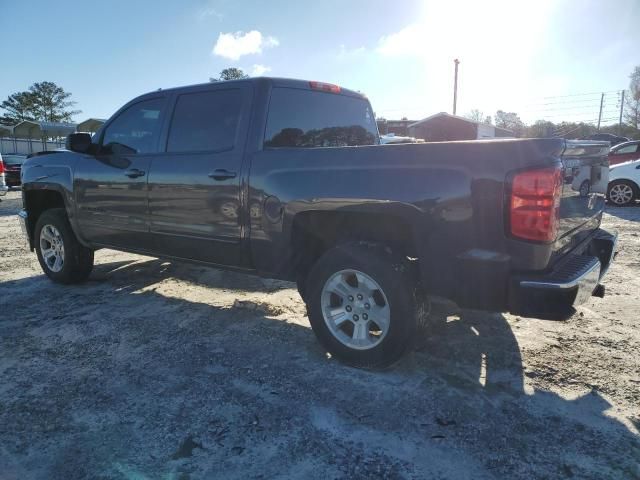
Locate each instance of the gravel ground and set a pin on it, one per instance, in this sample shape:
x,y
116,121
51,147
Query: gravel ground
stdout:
x,y
156,370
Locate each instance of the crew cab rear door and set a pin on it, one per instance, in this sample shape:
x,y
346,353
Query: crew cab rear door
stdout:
x,y
195,203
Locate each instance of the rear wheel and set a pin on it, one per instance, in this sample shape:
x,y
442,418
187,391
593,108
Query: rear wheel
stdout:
x,y
361,301
621,192
62,257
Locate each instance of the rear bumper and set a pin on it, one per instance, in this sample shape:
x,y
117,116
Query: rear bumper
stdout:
x,y
12,179
572,281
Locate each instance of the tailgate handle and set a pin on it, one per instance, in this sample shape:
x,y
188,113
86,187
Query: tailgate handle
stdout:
x,y
221,174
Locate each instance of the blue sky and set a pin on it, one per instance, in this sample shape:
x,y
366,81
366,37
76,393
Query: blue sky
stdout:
x,y
514,54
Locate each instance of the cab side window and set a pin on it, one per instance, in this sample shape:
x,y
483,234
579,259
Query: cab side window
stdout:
x,y
136,129
205,121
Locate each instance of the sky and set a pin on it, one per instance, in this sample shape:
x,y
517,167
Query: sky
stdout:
x,y
542,59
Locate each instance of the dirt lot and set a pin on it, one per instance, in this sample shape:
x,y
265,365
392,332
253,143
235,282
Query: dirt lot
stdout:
x,y
154,370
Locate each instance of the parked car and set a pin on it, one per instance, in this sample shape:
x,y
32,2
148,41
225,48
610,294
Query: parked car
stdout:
x,y
12,166
623,152
624,183
3,183
607,137
286,179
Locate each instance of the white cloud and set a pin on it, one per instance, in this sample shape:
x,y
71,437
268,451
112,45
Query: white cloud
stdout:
x,y
259,70
235,45
207,12
408,41
345,52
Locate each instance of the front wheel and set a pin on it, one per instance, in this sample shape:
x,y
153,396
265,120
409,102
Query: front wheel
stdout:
x,y
621,193
361,301
62,257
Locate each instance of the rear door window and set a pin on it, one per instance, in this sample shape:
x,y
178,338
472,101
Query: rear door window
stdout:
x,y
136,129
205,121
307,118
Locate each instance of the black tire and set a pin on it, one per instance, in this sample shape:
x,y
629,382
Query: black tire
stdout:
x,y
301,283
624,183
78,259
398,283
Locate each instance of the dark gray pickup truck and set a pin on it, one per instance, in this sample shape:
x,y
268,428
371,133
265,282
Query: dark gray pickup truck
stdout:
x,y
286,179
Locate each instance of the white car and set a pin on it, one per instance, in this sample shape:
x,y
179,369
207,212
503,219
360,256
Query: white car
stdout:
x,y
624,183
391,138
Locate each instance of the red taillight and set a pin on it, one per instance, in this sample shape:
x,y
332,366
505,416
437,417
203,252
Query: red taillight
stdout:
x,y
1,166
325,87
534,206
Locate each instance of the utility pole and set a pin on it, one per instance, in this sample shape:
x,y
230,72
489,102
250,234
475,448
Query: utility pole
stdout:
x,y
600,114
621,108
455,86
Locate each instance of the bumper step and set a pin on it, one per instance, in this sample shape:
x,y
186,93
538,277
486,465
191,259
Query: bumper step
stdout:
x,y
573,281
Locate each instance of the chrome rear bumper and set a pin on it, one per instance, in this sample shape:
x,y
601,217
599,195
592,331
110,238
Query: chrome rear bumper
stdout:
x,y
572,282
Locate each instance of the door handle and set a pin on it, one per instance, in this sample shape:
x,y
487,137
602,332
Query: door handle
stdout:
x,y
134,173
221,174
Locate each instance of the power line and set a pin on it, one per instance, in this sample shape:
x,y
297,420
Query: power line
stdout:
x,y
572,106
581,94
569,102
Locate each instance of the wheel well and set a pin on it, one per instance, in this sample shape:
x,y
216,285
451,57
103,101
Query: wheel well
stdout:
x,y
38,201
634,185
314,233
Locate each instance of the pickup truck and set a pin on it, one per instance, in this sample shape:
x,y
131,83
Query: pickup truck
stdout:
x,y
286,179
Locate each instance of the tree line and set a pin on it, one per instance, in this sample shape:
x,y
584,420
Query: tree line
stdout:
x,y
46,101
544,128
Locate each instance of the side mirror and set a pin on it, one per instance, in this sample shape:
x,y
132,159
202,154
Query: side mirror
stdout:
x,y
78,142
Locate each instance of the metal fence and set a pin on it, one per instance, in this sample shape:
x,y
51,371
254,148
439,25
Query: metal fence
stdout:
x,y
26,146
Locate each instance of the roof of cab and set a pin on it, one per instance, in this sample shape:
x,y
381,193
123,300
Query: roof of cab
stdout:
x,y
274,81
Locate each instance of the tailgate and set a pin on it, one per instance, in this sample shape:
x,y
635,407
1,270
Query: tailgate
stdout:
x,y
586,175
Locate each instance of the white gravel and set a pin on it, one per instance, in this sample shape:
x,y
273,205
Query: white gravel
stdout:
x,y
156,370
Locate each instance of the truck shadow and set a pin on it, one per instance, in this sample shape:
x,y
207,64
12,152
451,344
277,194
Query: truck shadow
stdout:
x,y
154,270
117,355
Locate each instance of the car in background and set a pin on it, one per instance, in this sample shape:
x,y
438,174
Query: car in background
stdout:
x,y
623,152
624,183
392,138
3,185
607,137
12,167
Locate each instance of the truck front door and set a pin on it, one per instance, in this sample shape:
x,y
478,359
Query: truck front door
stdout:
x,y
111,187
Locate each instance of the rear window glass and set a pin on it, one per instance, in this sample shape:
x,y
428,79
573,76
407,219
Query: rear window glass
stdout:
x,y
205,121
13,159
306,118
